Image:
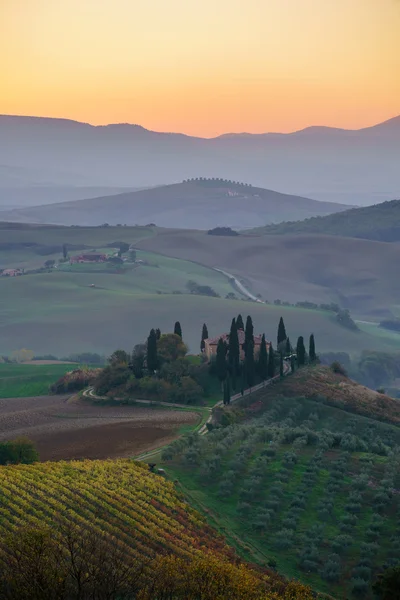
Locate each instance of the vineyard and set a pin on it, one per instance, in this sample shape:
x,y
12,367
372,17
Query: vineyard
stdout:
x,y
306,485
112,530
119,497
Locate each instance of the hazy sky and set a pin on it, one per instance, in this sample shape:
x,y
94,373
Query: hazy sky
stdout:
x,y
202,66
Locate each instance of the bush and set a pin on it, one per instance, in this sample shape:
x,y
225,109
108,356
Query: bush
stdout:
x,y
75,380
338,368
284,539
362,572
331,570
341,542
359,587
20,450
111,377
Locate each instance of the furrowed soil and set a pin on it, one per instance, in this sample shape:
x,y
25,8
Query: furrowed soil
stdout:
x,y
63,430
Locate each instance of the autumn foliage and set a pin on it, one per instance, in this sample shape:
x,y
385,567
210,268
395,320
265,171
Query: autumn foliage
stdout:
x,y
113,530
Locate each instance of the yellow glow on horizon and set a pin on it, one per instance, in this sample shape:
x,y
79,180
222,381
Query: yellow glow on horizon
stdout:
x,y
202,68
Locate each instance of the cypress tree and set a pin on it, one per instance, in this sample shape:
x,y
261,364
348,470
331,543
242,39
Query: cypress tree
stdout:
x,y
281,364
227,391
233,348
220,363
288,348
311,352
292,363
151,355
263,360
249,363
281,332
301,351
249,331
248,334
178,329
158,333
204,336
271,362
239,323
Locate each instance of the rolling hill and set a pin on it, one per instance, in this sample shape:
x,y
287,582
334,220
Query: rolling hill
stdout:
x,y
351,167
292,471
355,273
58,311
378,222
200,204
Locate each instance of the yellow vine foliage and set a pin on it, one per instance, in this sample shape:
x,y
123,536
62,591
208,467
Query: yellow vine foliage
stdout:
x,y
136,515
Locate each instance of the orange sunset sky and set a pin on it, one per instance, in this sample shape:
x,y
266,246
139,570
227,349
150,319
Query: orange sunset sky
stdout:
x,y
202,67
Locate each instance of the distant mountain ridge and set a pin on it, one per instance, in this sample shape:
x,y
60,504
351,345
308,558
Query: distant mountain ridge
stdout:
x,y
380,222
197,204
390,125
347,166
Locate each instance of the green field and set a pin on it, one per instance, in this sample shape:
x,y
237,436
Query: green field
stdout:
x,y
20,380
60,313
42,241
305,484
98,308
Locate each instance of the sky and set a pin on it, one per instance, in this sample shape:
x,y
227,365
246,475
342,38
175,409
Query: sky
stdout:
x,y
202,67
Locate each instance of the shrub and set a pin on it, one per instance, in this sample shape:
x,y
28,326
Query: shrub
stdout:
x,y
331,570
341,542
19,451
284,539
362,572
338,368
75,380
359,587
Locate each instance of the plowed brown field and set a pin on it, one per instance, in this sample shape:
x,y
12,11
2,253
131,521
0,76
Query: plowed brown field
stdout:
x,y
73,430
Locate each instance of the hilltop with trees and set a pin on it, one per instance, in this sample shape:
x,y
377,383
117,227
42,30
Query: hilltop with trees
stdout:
x,y
161,369
379,222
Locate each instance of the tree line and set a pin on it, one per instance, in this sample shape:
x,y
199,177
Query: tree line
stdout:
x,y
235,361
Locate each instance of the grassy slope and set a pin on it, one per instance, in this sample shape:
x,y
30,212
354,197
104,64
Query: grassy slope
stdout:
x,y
357,274
91,237
378,222
18,381
189,204
60,313
317,382
221,511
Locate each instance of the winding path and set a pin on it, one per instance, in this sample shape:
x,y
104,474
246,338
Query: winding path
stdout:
x,y
239,285
203,429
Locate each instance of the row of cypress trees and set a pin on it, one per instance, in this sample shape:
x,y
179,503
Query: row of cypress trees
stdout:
x,y
229,367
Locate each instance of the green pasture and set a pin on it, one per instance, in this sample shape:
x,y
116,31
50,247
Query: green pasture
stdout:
x,y
30,257
389,337
60,313
20,380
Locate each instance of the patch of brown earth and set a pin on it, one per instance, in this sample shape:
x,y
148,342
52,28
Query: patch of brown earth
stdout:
x,y
63,430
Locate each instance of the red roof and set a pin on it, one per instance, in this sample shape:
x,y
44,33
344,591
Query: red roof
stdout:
x,y
225,337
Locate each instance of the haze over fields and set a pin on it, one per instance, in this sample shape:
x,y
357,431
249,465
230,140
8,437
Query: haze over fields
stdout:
x,y
328,164
194,204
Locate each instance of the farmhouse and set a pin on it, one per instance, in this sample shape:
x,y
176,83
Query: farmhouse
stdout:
x,y
11,272
210,348
88,258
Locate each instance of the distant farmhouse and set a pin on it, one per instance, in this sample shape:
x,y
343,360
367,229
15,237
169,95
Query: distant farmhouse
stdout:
x,y
210,344
11,272
88,258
